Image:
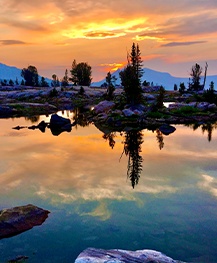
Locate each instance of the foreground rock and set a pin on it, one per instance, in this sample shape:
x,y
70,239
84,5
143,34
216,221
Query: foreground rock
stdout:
x,y
16,220
93,255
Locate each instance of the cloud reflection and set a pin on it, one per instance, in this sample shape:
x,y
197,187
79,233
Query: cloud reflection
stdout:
x,y
209,184
80,166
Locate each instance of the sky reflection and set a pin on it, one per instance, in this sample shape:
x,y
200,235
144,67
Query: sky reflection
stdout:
x,y
83,182
81,166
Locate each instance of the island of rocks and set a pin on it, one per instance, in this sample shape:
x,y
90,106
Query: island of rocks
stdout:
x,y
114,113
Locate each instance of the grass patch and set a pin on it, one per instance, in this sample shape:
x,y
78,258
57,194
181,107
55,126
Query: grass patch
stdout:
x,y
155,115
186,111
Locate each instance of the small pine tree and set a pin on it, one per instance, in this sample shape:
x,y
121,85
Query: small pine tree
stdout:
x,y
196,72
43,82
110,86
160,98
65,80
182,88
81,73
131,76
11,83
209,95
30,75
54,80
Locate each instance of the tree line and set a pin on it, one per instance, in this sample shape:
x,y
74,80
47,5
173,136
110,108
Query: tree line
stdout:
x,y
81,74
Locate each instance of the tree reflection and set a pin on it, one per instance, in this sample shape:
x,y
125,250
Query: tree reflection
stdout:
x,y
110,137
132,148
33,119
160,139
80,118
208,127
205,127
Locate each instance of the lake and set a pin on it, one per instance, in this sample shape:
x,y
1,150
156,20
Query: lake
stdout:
x,y
131,190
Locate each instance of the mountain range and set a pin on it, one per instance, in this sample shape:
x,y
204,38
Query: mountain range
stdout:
x,y
13,73
8,72
160,78
156,77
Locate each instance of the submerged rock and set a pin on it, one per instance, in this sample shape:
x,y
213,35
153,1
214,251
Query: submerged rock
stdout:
x,y
93,255
16,220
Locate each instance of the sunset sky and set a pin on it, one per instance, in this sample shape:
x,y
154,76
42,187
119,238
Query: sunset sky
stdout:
x,y
50,34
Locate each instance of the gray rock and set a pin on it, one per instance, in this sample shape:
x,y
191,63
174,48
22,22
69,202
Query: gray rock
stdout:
x,y
148,96
104,106
93,255
102,116
127,112
177,105
16,220
203,105
212,106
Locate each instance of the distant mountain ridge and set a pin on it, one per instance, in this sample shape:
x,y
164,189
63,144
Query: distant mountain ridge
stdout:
x,y
13,73
9,72
160,78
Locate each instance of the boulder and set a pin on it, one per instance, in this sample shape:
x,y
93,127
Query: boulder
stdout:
x,y
93,255
212,106
203,105
148,96
127,112
177,105
104,106
16,220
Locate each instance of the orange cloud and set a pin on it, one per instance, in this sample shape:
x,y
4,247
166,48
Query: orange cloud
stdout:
x,y
101,32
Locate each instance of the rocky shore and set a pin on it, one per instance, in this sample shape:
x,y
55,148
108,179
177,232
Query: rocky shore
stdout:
x,y
93,255
28,101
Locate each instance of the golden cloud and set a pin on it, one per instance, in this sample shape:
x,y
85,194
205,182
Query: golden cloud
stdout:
x,y
103,29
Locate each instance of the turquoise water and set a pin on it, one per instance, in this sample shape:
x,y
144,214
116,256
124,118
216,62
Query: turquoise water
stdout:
x,y
83,182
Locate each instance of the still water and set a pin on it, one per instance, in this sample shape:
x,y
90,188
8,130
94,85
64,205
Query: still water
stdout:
x,y
129,190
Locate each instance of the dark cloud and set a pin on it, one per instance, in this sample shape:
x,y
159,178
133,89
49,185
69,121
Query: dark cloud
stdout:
x,y
175,44
192,25
33,25
8,42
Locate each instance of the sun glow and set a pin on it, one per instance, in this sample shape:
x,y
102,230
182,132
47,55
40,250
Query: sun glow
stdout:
x,y
106,29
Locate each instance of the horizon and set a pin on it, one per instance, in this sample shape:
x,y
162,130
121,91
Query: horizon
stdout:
x,y
49,35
